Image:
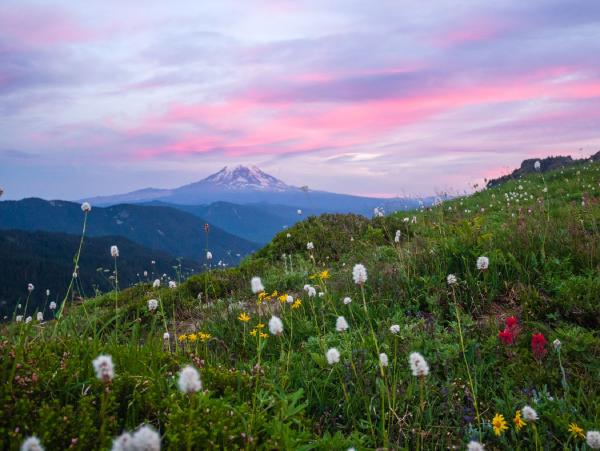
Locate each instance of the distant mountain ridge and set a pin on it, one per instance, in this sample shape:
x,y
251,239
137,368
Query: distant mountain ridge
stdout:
x,y
250,185
170,230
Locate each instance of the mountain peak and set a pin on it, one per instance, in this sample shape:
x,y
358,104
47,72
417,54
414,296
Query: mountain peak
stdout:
x,y
242,177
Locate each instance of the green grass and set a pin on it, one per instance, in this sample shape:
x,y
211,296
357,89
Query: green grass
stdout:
x,y
542,238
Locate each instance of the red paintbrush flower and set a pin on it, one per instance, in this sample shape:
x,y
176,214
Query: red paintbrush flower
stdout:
x,y
538,346
511,322
506,336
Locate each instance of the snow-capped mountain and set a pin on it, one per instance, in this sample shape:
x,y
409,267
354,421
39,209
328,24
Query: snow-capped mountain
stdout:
x,y
241,178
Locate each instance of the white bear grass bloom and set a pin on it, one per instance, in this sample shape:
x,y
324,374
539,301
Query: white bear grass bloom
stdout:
x,y
333,356
257,286
114,251
310,246
104,368
40,317
172,284
347,300
32,444
451,279
394,328
189,380
30,287
52,305
156,283
483,263
275,325
86,207
529,414
146,438
418,365
209,255
383,359
152,304
359,274
341,325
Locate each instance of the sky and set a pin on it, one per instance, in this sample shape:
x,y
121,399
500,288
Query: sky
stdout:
x,y
379,98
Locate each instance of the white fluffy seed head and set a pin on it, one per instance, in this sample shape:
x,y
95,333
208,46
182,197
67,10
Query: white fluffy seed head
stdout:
x,y
19,318
30,287
32,444
166,336
123,442
383,359
86,207
47,292
275,325
311,292
114,251
556,344
156,283
40,316
209,255
474,446
310,246
592,438
451,279
105,370
189,380
359,274
289,299
483,263
347,300
257,285
333,356
28,320
418,365
341,325
152,304
529,414
52,305
394,328
172,284
146,439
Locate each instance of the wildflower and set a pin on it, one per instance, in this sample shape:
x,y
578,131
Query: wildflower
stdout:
x,y
519,423
257,286
297,303
312,292
359,274
156,283
86,207
451,279
324,275
275,325
114,251
394,328
52,305
576,430
19,318
321,294
299,212
263,335
192,337
593,439
418,365
123,442
537,165
47,293
28,320
40,316
556,344
289,299
511,322
103,365
30,287
166,336
499,424
172,284
189,380
147,439
204,336
289,235
244,317
152,304
32,444
333,356
506,336
383,359
182,338
397,237
529,414
538,346
483,263
474,446
310,246
341,324
347,300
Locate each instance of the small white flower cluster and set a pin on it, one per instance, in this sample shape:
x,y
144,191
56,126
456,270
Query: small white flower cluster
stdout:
x,y
397,237
257,286
114,251
593,439
310,246
483,263
30,287
341,325
209,255
333,356
105,370
474,446
189,380
529,414
383,359
394,328
152,304
310,290
359,274
418,365
347,300
451,279
86,207
52,305
145,438
156,283
275,325
172,284
32,444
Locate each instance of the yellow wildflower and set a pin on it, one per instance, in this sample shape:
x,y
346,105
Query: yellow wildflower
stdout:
x,y
324,275
253,332
204,336
576,430
262,295
192,337
297,303
182,338
260,325
274,294
244,317
282,298
499,424
519,423
263,335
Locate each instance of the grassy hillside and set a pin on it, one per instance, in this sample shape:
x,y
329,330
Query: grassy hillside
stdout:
x,y
46,260
488,333
175,232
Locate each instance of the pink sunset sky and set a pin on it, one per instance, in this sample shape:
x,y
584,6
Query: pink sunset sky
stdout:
x,y
378,98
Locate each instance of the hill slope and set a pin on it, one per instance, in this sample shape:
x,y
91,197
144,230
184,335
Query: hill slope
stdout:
x,y
46,260
157,227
